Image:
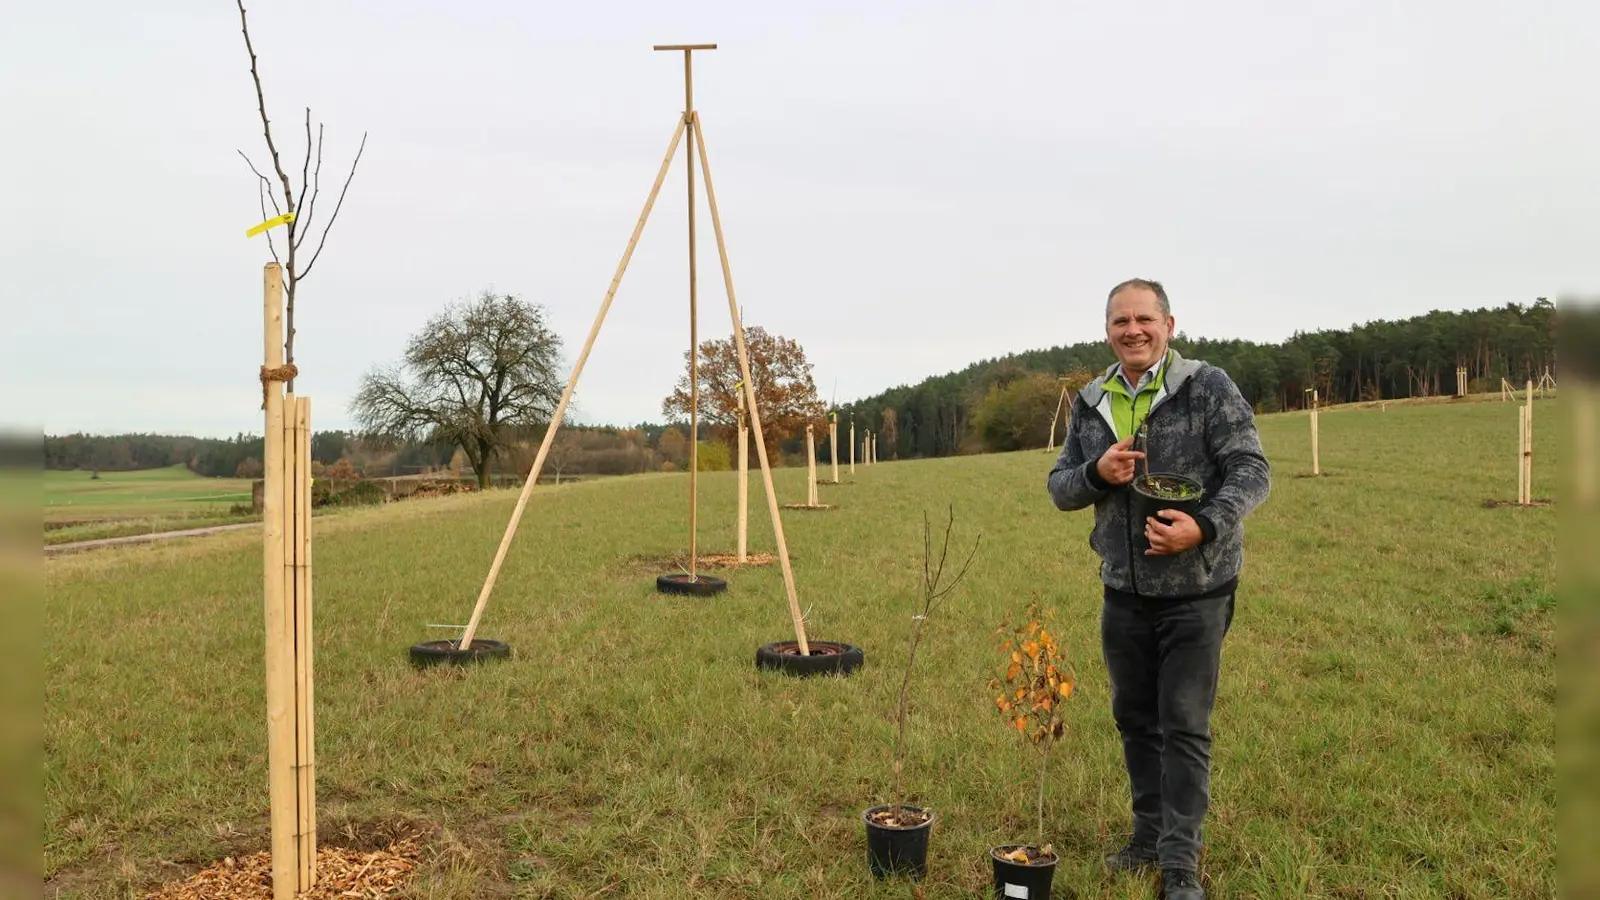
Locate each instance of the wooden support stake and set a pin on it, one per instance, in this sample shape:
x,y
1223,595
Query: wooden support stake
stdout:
x,y
1527,445
750,396
306,750
694,334
566,394
833,446
1057,417
1461,381
1522,446
279,668
1316,460
852,446
811,465
744,481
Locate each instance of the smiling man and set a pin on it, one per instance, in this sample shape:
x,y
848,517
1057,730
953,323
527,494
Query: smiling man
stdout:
x,y
1168,601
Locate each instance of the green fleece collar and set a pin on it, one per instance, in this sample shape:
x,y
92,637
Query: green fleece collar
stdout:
x,y
1128,410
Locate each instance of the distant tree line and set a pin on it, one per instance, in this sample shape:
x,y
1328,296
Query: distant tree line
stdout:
x,y
587,450
1007,403
991,405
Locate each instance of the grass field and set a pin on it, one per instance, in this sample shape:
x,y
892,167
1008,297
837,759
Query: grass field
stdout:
x,y
1384,727
78,507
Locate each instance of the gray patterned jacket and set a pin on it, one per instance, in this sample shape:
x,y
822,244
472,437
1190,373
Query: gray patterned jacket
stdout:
x,y
1199,426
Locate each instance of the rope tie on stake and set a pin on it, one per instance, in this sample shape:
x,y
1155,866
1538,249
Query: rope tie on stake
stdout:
x,y
276,373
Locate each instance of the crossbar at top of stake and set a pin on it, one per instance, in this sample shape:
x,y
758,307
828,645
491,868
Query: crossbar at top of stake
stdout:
x,y
688,125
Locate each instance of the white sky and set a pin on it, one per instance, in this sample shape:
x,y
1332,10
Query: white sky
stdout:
x,y
906,188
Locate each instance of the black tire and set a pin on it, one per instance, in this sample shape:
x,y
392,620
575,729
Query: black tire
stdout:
x,y
827,658
679,583
434,653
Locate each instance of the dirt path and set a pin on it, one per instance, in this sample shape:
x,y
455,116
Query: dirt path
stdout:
x,y
99,543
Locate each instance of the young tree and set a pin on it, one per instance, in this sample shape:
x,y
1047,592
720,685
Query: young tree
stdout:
x,y
476,370
890,432
301,208
786,394
673,447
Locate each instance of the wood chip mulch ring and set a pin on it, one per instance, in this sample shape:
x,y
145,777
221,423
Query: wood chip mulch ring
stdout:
x,y
820,507
341,874
1497,504
705,561
731,560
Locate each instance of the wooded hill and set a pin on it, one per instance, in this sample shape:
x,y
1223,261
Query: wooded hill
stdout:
x,y
1008,403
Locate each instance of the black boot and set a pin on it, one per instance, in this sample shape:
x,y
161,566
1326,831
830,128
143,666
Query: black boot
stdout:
x,y
1181,884
1132,858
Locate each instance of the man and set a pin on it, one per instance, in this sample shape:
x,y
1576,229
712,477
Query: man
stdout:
x,y
1168,607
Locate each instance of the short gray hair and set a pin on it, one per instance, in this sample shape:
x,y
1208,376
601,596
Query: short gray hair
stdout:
x,y
1152,286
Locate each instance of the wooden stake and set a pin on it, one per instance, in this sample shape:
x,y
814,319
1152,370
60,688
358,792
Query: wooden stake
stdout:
x,y
1461,381
1522,447
744,482
1316,462
1527,444
566,394
1057,417
811,465
852,446
694,334
833,446
749,388
306,750
280,672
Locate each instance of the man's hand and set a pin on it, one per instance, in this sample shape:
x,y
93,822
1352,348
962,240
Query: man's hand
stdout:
x,y
1165,539
1116,464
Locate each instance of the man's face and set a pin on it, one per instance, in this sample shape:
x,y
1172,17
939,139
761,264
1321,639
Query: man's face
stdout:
x,y
1136,329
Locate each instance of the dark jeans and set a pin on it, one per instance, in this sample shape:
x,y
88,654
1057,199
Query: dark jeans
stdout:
x,y
1163,657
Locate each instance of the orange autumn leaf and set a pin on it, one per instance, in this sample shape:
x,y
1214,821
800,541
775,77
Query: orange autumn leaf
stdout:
x,y
1022,723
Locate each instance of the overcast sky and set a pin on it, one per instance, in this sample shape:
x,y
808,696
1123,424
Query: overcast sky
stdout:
x,y
906,187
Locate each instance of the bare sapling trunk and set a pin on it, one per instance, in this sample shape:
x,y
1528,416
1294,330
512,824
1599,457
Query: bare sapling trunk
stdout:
x,y
1044,760
933,591
299,211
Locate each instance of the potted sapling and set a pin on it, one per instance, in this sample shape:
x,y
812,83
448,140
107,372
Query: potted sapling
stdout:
x,y
1033,686
897,833
1156,491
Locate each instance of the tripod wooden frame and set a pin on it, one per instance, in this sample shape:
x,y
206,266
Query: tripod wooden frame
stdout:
x,y
688,123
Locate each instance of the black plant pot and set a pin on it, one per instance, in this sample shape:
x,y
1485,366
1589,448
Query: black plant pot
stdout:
x,y
899,850
1018,881
1146,504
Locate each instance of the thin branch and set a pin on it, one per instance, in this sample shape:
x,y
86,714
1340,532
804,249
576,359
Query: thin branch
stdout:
x,y
261,190
261,104
316,188
304,181
252,165
336,206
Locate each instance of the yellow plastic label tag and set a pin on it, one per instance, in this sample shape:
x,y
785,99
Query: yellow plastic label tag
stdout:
x,y
284,219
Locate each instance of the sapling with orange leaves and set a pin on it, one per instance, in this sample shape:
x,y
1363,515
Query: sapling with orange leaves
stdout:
x,y
1033,686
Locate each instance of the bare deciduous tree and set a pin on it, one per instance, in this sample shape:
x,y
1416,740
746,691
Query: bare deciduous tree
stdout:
x,y
478,370
303,207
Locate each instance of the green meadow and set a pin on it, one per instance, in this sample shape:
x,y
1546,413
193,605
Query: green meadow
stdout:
x,y
1384,727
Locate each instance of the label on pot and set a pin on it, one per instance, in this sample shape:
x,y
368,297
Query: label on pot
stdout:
x,y
1017,890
